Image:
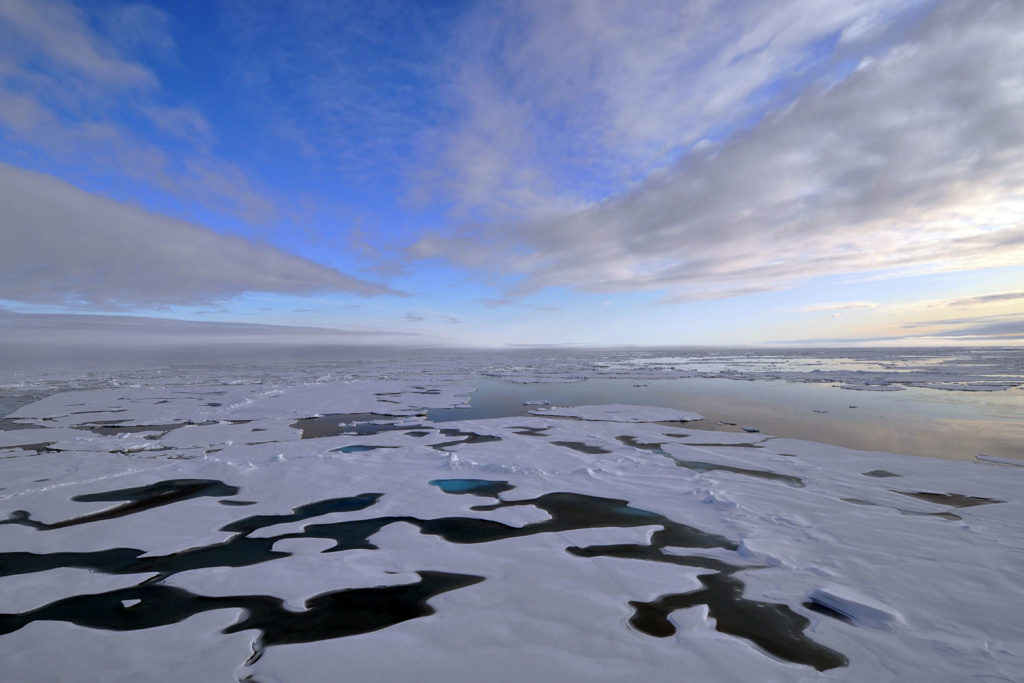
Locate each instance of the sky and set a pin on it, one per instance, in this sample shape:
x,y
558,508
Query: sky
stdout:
x,y
564,172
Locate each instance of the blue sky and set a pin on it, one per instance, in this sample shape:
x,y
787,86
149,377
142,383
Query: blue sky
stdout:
x,y
520,173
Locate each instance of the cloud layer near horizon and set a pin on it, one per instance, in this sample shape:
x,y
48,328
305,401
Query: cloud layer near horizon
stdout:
x,y
69,329
62,245
909,162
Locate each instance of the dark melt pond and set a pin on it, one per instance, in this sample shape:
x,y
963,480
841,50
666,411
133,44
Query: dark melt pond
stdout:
x,y
773,627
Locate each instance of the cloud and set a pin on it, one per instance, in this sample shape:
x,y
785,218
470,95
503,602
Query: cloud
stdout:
x,y
73,91
969,320
994,328
546,122
911,161
418,317
45,339
183,122
984,299
61,35
836,306
492,303
107,147
1006,329
990,328
1006,326
61,245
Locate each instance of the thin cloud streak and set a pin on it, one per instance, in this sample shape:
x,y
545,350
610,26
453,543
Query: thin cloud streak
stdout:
x,y
545,123
419,316
983,328
836,306
1007,329
999,297
969,320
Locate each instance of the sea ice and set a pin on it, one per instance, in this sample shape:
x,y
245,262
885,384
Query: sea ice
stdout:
x,y
208,557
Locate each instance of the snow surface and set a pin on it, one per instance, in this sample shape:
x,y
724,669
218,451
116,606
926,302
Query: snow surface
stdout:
x,y
251,512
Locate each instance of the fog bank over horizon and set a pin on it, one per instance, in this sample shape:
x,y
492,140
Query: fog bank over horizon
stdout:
x,y
71,339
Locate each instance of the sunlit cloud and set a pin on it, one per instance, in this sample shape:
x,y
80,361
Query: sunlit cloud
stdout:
x,y
911,161
544,123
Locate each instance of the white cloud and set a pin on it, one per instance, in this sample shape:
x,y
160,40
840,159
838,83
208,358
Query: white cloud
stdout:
x,y
66,88
913,161
61,245
836,306
560,101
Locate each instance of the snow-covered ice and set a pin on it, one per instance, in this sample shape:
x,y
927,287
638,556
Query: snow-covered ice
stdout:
x,y
209,530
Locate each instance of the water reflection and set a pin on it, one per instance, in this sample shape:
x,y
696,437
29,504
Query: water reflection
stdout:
x,y
943,424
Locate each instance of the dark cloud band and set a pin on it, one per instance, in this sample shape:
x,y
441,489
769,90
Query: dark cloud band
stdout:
x,y
62,245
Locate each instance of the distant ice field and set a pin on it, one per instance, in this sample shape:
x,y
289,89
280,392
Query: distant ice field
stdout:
x,y
950,403
955,425
543,515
